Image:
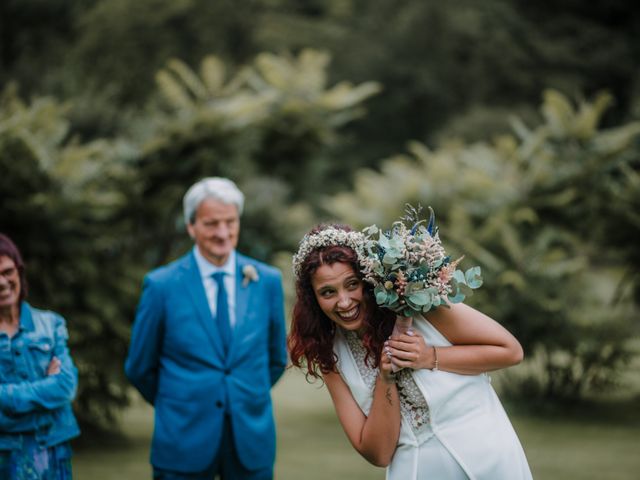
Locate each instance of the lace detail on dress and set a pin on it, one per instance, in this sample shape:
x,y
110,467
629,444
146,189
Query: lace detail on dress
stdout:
x,y
413,405
368,373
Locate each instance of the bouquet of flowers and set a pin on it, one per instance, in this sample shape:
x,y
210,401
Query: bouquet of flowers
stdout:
x,y
410,270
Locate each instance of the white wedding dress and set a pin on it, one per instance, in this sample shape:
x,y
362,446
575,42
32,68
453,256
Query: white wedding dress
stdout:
x,y
453,426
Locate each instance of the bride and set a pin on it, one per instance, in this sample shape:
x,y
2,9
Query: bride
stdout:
x,y
436,418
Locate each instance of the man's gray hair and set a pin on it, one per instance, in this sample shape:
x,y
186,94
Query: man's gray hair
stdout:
x,y
216,188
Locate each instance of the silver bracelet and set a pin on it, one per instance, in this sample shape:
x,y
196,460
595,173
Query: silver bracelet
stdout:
x,y
435,361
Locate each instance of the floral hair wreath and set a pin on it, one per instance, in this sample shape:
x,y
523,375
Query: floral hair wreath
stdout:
x,y
326,238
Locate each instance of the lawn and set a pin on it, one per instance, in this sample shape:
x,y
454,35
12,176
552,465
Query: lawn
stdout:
x,y
586,443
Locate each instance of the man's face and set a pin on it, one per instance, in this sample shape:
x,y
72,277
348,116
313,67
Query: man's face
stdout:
x,y
215,230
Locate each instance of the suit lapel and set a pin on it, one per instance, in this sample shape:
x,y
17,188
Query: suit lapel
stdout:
x,y
193,283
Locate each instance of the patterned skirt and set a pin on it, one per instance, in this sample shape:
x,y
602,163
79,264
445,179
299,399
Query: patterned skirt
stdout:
x,y
33,462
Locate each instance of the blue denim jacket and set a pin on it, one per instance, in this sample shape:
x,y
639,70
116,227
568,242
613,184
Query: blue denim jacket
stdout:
x,y
31,402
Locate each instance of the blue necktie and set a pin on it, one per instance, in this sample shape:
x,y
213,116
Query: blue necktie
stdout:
x,y
222,311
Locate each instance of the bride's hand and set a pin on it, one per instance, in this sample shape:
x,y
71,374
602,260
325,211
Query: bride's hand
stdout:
x,y
410,351
386,372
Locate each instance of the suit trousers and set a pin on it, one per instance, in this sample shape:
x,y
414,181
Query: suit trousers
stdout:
x,y
226,465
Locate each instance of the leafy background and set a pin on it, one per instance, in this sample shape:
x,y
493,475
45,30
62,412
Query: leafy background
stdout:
x,y
518,122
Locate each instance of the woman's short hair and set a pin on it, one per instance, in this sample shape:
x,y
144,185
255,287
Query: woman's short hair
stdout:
x,y
216,188
9,249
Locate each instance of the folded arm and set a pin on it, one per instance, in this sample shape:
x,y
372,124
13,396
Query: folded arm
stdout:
x,y
48,393
25,422
480,344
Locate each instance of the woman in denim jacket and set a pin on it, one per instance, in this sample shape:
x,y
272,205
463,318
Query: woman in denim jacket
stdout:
x,y
38,381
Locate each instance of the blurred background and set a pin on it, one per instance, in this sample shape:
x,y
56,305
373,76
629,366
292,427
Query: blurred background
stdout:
x,y
518,122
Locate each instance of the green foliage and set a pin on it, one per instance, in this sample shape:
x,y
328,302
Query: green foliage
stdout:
x,y
92,216
120,45
531,210
248,125
445,65
60,203
441,62
99,173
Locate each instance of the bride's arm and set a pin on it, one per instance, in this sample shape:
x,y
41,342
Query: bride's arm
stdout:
x,y
375,437
480,344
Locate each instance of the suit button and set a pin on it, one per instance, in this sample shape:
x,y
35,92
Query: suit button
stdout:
x,y
219,404
227,371
24,375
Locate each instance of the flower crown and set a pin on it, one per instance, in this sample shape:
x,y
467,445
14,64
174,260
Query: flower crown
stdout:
x,y
326,238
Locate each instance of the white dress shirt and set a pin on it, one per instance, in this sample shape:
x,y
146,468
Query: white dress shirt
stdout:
x,y
207,269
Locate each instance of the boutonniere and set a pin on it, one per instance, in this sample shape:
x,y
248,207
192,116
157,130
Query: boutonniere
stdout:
x,y
249,274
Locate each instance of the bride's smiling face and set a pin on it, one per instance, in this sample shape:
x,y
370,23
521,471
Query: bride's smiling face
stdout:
x,y
339,293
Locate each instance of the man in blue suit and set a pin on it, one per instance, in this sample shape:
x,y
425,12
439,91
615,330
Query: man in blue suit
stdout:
x,y
207,345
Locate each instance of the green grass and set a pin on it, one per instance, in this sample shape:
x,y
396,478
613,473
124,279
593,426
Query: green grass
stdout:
x,y
586,443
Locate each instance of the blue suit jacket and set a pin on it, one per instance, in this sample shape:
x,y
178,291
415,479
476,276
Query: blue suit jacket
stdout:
x,y
177,363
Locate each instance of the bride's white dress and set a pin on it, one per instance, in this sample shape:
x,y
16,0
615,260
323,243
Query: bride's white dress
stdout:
x,y
453,426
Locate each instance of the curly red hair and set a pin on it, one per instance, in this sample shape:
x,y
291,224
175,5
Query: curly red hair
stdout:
x,y
312,333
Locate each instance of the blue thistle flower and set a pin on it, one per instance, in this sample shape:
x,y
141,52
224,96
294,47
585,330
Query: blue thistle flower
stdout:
x,y
432,221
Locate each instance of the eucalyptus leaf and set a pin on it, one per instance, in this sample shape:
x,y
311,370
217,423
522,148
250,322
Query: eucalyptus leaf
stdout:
x,y
421,297
424,268
396,243
438,263
459,297
381,297
412,305
473,277
379,288
389,259
413,287
428,307
456,295
458,276
392,296
433,291
395,306
438,301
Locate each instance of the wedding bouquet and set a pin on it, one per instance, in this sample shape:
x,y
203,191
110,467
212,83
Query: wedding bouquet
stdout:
x,y
410,270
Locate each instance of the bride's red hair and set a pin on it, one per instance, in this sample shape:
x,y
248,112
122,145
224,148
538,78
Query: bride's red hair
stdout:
x,y
312,333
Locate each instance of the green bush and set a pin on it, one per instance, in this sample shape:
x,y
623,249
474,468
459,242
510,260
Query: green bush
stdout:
x,y
535,210
60,203
92,217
